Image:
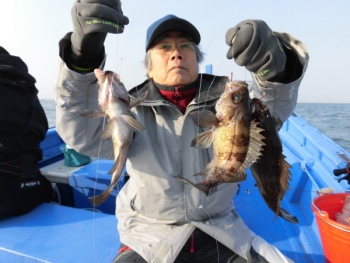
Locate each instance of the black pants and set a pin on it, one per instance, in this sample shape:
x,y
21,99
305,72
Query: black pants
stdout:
x,y
205,250
22,192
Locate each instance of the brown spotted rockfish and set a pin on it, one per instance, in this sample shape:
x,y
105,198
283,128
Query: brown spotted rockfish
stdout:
x,y
115,103
243,134
236,140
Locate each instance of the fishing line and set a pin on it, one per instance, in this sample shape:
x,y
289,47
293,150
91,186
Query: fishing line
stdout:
x,y
202,195
212,39
123,63
212,223
205,103
126,41
201,201
198,130
95,183
250,191
104,121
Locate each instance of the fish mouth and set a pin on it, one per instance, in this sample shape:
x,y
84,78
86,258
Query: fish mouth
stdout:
x,y
220,116
236,86
232,89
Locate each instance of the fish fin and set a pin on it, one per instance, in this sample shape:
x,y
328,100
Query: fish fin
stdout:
x,y
239,176
204,119
89,113
203,188
255,146
182,179
287,216
107,132
255,132
136,101
120,92
205,171
203,140
285,175
99,199
132,124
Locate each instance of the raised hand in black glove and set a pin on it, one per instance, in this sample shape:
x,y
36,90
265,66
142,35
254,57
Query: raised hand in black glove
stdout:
x,y
254,45
92,20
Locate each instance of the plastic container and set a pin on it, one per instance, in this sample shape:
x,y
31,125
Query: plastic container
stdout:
x,y
335,237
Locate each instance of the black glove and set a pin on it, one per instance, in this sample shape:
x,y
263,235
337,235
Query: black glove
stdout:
x,y
254,45
92,20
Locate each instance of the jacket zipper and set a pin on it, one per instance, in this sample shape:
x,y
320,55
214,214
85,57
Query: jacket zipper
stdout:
x,y
177,96
192,243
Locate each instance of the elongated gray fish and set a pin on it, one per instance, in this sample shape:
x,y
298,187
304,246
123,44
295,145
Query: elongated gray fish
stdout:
x,y
236,140
271,170
115,103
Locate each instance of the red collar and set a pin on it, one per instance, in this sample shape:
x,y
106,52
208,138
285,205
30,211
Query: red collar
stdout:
x,y
179,97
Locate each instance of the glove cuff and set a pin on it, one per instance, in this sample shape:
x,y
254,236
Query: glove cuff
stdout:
x,y
79,63
85,63
292,70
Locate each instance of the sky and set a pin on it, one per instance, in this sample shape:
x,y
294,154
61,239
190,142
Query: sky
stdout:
x,y
31,29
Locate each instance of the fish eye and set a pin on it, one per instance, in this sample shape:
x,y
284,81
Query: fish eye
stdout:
x,y
237,98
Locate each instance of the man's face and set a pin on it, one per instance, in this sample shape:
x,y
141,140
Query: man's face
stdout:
x,y
174,68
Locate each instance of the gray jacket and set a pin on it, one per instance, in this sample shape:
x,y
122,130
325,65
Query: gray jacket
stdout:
x,y
157,214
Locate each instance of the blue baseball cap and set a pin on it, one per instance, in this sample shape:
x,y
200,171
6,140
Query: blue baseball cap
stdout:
x,y
171,23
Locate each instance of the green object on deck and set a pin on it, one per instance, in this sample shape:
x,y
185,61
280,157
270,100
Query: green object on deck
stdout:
x,y
72,158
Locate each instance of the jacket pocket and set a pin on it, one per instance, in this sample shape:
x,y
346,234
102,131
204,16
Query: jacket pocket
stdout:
x,y
154,206
221,200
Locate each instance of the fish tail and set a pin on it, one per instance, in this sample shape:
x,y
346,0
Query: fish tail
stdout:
x,y
203,188
287,216
116,170
99,199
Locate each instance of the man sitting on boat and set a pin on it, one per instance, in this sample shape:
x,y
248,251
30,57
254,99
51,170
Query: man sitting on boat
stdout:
x,y
159,218
23,125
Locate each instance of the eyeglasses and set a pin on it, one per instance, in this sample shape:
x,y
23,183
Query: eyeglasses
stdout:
x,y
167,48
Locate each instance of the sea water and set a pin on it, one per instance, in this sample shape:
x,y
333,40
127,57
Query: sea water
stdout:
x,y
333,120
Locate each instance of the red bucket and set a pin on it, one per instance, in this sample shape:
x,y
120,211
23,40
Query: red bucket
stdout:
x,y
335,237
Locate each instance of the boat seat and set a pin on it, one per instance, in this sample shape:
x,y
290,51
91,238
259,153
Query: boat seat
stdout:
x,y
57,172
54,233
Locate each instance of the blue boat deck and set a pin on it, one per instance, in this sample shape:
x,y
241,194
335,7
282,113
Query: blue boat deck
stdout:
x,y
55,233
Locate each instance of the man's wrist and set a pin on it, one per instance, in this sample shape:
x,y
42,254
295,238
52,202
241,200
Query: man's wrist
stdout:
x,y
84,63
81,64
292,70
